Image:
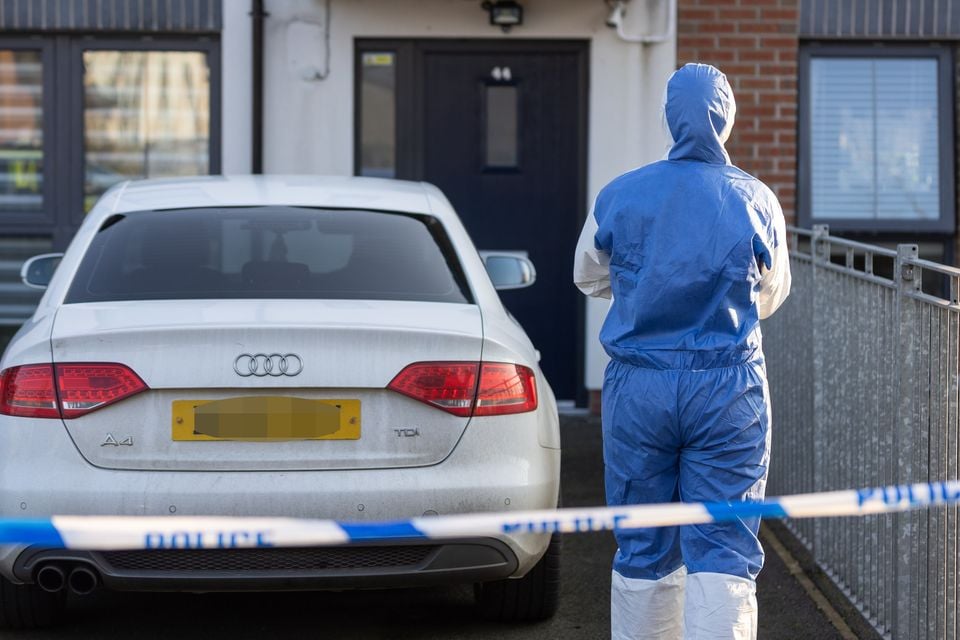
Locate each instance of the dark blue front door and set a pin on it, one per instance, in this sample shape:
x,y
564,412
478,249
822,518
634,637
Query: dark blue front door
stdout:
x,y
502,135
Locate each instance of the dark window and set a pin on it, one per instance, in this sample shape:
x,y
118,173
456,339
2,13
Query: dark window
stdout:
x,y
270,252
877,138
501,122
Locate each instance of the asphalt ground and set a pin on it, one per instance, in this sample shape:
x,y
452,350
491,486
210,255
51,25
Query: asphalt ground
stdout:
x,y
787,612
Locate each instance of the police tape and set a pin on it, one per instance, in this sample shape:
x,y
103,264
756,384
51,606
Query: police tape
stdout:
x,y
201,532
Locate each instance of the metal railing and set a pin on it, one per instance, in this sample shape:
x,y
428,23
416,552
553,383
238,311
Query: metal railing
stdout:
x,y
863,366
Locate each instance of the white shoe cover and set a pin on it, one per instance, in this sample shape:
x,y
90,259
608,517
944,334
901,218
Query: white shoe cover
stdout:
x,y
647,609
720,606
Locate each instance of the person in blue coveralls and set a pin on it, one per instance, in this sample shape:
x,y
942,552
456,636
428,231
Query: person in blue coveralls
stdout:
x,y
693,252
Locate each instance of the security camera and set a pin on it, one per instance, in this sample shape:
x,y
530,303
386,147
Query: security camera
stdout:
x,y
615,18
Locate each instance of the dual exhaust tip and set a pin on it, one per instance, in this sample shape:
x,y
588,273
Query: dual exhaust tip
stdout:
x,y
81,580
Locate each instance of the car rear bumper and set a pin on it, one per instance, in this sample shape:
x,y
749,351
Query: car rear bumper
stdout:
x,y
495,467
366,565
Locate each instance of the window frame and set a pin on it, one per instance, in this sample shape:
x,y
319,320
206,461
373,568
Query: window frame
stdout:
x,y
38,223
946,221
62,59
517,166
77,131
406,108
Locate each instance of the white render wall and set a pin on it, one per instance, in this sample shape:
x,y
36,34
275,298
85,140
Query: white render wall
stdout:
x,y
236,60
309,122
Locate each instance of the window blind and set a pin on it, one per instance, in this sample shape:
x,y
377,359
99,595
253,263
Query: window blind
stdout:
x,y
874,138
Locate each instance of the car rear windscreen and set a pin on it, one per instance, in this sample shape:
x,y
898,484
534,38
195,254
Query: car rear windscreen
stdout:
x,y
270,252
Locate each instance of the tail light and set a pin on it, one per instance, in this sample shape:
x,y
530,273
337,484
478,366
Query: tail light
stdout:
x,y
65,390
505,388
87,387
29,391
450,386
469,388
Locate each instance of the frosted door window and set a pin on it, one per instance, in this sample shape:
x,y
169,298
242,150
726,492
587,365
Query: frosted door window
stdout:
x,y
378,120
21,131
501,126
874,139
146,115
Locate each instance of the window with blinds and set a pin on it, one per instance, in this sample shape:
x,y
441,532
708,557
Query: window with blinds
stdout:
x,y
874,138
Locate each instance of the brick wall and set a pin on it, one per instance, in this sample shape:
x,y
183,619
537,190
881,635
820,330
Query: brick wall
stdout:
x,y
755,43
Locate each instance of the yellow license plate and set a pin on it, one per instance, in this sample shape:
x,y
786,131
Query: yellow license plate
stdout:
x,y
266,419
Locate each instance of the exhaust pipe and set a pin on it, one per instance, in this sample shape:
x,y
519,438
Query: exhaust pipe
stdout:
x,y
82,581
50,578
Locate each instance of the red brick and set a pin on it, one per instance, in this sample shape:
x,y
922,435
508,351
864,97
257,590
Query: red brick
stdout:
x,y
787,55
775,97
756,82
716,27
787,111
739,69
786,137
717,55
755,111
698,13
693,41
737,42
785,192
753,137
786,165
773,123
756,55
743,13
758,27
778,42
779,69
781,150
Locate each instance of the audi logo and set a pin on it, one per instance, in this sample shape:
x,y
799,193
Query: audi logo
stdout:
x,y
263,364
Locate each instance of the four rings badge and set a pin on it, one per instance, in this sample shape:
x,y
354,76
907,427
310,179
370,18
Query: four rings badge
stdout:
x,y
264,364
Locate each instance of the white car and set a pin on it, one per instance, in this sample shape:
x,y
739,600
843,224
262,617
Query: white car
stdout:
x,y
276,346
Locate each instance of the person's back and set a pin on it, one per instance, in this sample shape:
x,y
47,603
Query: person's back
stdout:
x,y
693,252
676,275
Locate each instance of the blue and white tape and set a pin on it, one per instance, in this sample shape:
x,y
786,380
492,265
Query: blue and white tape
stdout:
x,y
198,532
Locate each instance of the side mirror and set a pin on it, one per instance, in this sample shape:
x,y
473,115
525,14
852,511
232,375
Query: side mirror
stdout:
x,y
37,272
509,269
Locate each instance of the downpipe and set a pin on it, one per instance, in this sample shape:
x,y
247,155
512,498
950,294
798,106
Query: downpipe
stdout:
x,y
51,578
83,581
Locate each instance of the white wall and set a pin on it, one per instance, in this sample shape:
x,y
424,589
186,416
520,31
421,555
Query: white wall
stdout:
x,y
236,60
309,122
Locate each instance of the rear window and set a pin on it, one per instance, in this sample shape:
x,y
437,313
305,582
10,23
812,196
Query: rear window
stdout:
x,y
270,252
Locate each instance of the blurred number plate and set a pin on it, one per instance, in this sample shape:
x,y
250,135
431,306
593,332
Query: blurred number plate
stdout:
x,y
266,419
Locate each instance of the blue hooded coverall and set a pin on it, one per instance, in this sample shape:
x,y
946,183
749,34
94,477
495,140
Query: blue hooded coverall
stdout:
x,y
693,251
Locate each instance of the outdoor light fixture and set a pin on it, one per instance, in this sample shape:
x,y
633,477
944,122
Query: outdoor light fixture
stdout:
x,y
504,13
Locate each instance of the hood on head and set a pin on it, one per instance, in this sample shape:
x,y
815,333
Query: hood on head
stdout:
x,y
699,111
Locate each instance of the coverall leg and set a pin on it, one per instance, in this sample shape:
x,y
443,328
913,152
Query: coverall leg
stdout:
x,y
696,435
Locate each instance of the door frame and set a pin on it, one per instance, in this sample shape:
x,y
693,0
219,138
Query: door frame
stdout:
x,y
409,56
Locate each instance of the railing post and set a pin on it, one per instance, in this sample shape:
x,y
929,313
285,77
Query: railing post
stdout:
x,y
907,339
819,254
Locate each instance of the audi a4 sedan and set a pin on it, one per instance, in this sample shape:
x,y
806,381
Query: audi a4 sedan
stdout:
x,y
276,346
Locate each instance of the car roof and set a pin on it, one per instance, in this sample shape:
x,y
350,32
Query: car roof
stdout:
x,y
277,190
